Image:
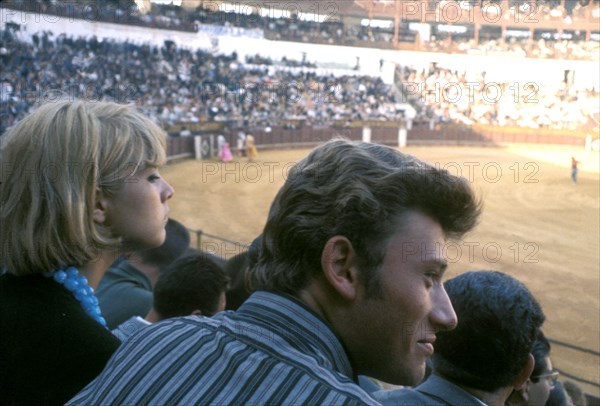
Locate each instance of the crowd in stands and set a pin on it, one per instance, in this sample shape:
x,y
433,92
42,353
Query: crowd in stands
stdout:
x,y
174,85
177,86
261,60
541,48
446,95
334,31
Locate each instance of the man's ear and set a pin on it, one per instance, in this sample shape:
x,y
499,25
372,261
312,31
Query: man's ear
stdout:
x,y
100,207
339,264
521,382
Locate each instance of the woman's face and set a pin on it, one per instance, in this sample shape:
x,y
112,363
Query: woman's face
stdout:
x,y
139,211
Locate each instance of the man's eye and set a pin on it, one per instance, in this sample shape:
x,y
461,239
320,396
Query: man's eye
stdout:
x,y
433,275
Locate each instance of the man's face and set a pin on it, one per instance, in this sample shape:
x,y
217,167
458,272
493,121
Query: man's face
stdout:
x,y
395,332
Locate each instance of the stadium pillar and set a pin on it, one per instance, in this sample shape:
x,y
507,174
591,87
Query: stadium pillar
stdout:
x,y
366,135
396,24
402,136
588,143
198,147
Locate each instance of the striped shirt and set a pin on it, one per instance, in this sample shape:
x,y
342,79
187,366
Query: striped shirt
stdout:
x,y
274,350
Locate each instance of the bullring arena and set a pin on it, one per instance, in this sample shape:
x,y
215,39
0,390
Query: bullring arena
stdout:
x,y
515,149
536,225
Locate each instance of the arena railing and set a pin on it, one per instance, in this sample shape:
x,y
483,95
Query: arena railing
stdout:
x,y
581,350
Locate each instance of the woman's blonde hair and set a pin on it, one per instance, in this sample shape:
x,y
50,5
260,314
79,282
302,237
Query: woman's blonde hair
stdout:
x,y
52,165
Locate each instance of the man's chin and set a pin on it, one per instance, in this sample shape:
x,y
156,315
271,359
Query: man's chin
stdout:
x,y
407,377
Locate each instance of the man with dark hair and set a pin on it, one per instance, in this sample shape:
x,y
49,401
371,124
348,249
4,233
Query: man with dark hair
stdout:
x,y
125,291
348,281
575,393
536,390
488,355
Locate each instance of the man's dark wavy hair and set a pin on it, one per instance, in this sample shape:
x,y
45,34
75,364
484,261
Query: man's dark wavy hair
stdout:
x,y
361,191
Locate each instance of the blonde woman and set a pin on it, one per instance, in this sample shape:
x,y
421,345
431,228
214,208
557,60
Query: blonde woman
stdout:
x,y
80,186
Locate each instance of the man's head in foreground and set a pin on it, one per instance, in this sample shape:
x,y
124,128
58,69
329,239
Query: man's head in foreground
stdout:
x,y
357,232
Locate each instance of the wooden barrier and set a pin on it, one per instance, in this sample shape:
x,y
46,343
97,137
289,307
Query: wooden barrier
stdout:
x,y
309,136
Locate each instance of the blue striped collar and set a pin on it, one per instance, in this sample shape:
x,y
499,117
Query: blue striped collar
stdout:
x,y
299,326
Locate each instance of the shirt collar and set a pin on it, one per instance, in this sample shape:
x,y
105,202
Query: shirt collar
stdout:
x,y
299,326
451,391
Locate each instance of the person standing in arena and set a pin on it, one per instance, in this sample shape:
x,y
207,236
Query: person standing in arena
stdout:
x,y
574,164
251,147
80,184
348,281
240,143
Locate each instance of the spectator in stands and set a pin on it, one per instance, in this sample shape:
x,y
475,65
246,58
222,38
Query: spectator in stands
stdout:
x,y
422,89
488,355
185,132
63,224
559,396
575,393
126,288
345,245
192,285
536,390
291,28
88,68
239,268
543,378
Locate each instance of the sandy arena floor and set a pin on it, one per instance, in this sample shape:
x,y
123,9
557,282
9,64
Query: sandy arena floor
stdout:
x,y
536,225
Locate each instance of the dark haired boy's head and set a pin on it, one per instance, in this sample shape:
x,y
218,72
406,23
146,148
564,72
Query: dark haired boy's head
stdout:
x,y
498,322
193,284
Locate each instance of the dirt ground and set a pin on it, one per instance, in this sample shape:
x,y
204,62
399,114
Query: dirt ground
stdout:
x,y
537,225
